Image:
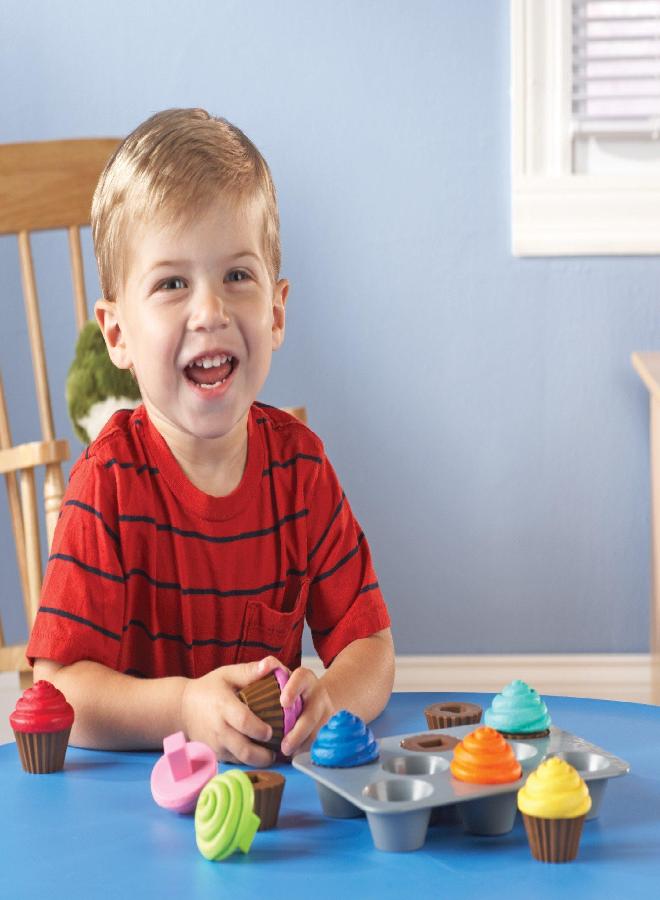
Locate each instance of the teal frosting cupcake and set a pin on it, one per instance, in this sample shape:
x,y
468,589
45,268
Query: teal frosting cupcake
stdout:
x,y
344,741
518,710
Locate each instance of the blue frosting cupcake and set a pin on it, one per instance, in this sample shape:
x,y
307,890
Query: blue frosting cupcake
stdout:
x,y
343,742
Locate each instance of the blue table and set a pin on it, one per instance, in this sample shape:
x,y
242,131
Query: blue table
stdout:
x,y
93,831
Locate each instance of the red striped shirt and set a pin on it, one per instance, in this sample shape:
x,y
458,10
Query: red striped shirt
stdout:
x,y
152,577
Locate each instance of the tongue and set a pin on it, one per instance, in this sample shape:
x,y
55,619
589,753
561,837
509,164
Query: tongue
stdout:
x,y
208,376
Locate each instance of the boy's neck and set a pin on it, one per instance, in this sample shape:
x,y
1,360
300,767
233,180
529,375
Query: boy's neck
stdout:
x,y
214,465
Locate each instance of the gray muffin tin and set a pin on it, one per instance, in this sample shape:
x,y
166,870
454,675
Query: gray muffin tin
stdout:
x,y
399,791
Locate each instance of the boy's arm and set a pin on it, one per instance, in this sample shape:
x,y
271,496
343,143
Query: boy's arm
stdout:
x,y
359,679
114,711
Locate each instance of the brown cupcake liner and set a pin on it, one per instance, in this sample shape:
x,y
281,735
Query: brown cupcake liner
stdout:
x,y
450,714
42,752
429,742
524,735
268,790
553,840
263,698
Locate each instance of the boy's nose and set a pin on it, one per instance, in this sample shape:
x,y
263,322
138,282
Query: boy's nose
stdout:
x,y
209,311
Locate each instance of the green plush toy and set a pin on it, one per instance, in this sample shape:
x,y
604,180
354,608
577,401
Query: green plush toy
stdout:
x,y
95,387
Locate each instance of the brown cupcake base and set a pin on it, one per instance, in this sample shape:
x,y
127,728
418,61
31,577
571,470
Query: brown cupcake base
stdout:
x,y
553,840
429,742
449,714
263,698
44,752
524,735
268,790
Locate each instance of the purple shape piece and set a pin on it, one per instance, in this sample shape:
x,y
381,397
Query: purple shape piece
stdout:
x,y
291,713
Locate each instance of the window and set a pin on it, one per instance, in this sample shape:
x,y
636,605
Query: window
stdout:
x,y
585,140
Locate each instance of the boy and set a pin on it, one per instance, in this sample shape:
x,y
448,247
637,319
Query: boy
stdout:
x,y
199,530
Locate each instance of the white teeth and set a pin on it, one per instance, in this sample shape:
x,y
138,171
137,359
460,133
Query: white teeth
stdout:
x,y
208,387
209,362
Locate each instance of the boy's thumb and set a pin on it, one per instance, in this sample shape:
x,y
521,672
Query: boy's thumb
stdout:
x,y
246,673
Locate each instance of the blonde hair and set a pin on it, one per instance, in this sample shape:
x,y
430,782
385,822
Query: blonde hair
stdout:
x,y
174,165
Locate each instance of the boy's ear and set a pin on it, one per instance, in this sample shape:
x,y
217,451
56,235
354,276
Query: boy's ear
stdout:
x,y
280,294
107,315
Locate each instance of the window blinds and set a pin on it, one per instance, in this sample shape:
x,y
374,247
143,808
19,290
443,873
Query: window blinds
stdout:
x,y
616,67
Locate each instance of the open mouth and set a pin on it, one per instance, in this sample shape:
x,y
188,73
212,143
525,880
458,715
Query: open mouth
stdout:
x,y
209,372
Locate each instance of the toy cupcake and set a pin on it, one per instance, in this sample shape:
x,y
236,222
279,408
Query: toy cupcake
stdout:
x,y
554,803
484,757
42,722
343,742
518,712
179,775
225,820
268,788
449,714
263,698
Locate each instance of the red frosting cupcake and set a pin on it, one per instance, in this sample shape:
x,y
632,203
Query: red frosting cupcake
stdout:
x,y
42,724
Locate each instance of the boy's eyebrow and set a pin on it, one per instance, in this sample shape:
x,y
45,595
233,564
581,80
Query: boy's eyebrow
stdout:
x,y
246,253
162,263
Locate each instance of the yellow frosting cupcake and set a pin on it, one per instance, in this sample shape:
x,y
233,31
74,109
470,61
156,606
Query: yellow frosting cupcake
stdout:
x,y
554,791
554,803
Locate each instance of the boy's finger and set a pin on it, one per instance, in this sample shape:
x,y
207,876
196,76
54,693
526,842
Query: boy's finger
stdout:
x,y
298,734
300,682
244,751
242,674
241,718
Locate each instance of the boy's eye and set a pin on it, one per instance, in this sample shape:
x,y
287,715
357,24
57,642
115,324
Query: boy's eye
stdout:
x,y
172,284
238,275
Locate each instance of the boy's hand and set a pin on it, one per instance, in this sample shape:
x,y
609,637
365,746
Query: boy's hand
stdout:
x,y
317,709
211,712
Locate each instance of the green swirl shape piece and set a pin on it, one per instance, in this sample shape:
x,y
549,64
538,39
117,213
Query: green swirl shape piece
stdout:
x,y
224,818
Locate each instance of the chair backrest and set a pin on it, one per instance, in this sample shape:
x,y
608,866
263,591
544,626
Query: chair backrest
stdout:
x,y
43,186
300,412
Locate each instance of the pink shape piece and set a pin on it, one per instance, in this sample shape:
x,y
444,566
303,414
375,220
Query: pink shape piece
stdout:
x,y
182,771
176,754
291,713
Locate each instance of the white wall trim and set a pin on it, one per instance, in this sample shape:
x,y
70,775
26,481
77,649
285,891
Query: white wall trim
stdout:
x,y
624,676
555,212
577,215
611,676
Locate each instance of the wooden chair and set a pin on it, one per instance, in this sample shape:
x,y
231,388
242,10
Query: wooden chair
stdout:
x,y
300,412
43,186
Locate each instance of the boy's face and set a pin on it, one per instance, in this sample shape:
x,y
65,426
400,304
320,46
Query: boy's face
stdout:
x,y
197,319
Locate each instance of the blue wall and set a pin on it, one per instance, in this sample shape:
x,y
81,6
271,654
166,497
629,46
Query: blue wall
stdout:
x,y
481,410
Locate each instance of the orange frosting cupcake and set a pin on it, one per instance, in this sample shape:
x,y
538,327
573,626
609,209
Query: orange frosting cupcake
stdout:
x,y
484,757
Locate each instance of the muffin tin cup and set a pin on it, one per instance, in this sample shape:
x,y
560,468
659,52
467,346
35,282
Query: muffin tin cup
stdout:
x,y
399,834
403,791
335,806
490,815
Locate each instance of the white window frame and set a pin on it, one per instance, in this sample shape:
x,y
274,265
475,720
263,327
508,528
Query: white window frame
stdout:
x,y
553,211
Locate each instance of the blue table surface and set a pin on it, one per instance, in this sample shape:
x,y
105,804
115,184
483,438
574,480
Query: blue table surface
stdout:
x,y
93,830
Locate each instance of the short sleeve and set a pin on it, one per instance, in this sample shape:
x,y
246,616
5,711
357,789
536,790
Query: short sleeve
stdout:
x,y
83,594
345,601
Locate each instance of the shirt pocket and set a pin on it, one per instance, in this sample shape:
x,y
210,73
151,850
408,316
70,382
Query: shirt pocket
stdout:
x,y
276,632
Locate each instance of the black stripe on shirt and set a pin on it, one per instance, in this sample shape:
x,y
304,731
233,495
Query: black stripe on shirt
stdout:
x,y
198,642
328,527
369,587
175,585
323,632
152,470
213,539
67,615
90,509
290,462
342,561
92,569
